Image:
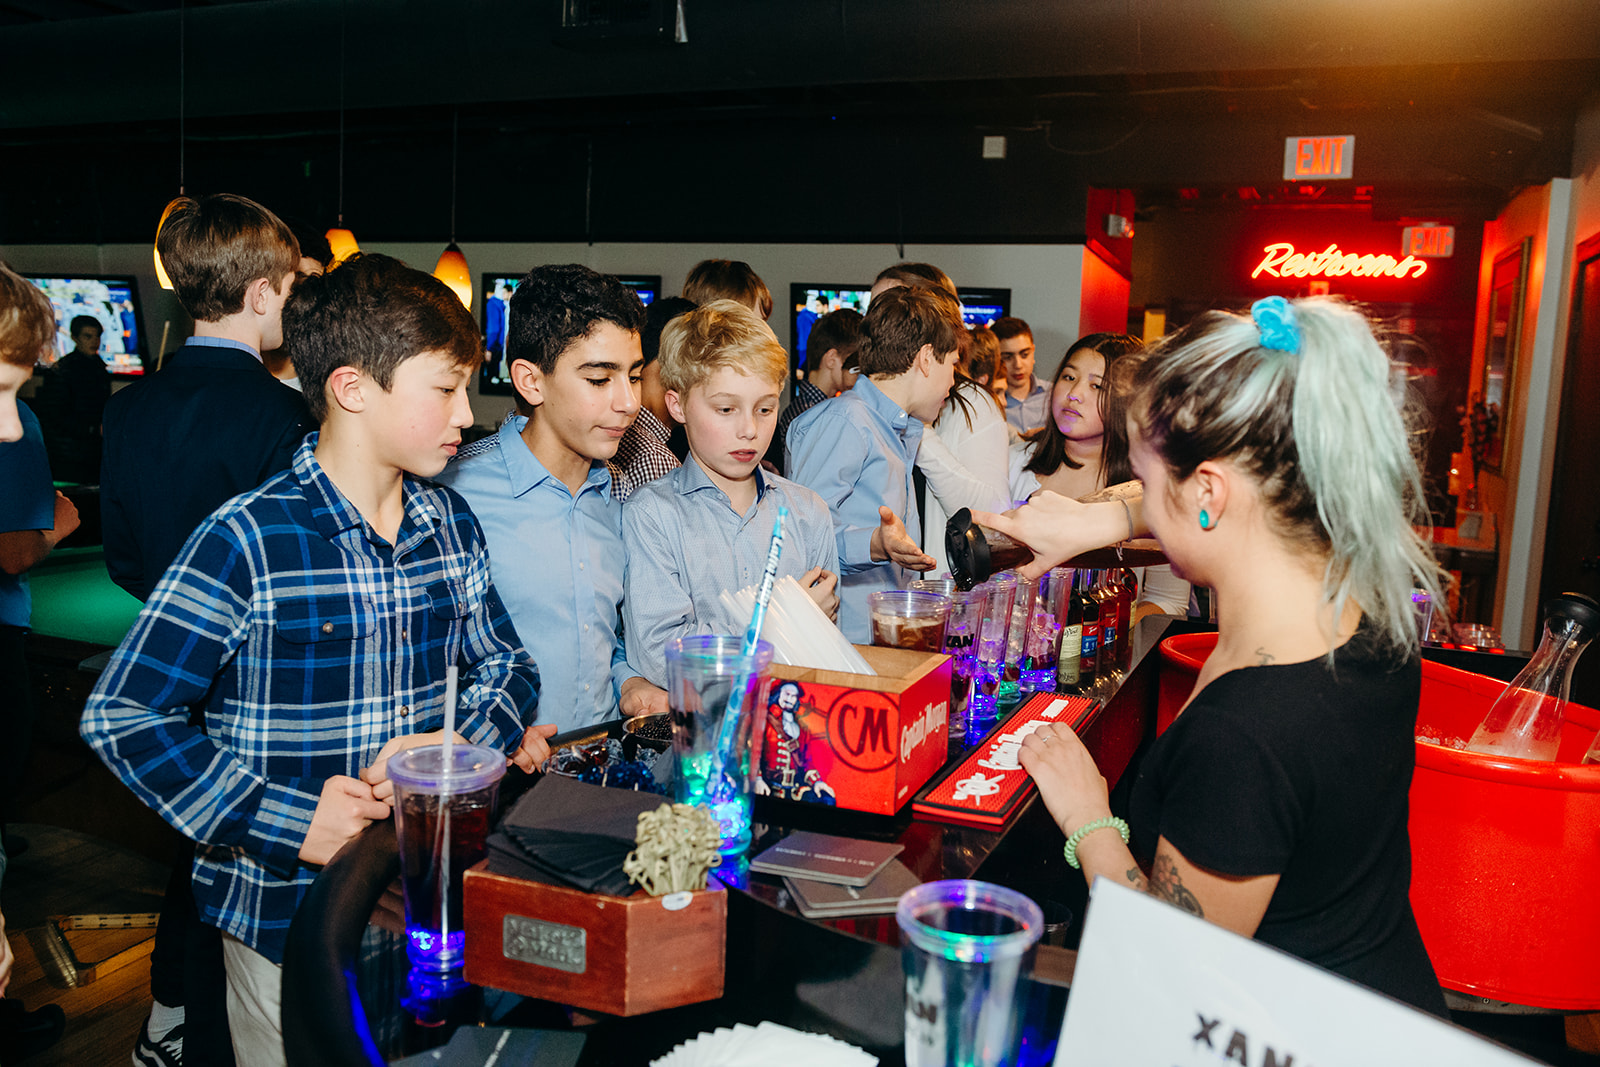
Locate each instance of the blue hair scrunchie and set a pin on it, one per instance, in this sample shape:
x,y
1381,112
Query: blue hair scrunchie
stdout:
x,y
1275,319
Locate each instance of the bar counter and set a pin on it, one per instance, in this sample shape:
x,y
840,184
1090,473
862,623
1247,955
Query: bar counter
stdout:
x,y
841,977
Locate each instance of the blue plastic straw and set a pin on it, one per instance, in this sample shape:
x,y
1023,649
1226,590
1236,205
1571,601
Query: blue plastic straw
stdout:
x,y
752,638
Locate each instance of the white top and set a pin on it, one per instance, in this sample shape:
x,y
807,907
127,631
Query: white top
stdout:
x,y
1157,585
965,467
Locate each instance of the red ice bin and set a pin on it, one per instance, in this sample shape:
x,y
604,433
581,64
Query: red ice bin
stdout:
x,y
1505,853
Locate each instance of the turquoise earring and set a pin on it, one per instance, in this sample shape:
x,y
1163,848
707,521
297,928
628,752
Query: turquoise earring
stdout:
x,y
1205,519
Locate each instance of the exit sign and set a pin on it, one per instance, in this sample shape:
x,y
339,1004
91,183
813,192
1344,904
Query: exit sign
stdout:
x,y
1318,158
1436,241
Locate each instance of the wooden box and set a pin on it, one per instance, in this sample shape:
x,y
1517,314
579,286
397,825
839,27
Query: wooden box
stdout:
x,y
852,740
618,955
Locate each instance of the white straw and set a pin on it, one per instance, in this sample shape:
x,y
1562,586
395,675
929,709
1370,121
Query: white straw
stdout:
x,y
449,716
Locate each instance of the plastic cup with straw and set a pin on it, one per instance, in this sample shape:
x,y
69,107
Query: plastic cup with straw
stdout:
x,y
444,801
728,781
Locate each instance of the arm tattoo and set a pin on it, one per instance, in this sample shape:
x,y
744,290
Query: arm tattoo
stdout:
x,y
1137,879
1266,657
1167,884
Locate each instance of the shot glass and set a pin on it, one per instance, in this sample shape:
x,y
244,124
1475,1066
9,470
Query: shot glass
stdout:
x,y
907,618
965,946
714,690
442,816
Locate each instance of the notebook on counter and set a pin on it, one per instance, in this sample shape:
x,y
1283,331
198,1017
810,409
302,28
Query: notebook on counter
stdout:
x,y
826,858
828,900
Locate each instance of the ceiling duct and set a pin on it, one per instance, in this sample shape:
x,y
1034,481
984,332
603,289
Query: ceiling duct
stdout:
x,y
588,23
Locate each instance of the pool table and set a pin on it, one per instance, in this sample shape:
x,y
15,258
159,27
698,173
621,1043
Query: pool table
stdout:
x,y
76,600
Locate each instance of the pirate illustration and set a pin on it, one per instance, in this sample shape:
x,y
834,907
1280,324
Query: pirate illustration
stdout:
x,y
785,770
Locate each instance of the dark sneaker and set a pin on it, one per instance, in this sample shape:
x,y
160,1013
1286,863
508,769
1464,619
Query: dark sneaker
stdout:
x,y
24,1032
168,1052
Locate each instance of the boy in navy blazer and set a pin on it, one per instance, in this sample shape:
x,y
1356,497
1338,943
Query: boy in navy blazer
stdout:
x,y
211,424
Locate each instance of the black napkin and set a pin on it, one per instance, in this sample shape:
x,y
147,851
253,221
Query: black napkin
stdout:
x,y
567,832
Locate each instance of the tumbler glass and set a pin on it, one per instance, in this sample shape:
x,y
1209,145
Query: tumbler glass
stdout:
x,y
942,586
715,690
907,618
960,644
965,946
442,816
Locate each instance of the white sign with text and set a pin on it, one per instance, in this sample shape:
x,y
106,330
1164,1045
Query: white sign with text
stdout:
x,y
1158,987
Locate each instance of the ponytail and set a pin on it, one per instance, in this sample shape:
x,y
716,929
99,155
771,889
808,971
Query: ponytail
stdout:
x,y
1320,431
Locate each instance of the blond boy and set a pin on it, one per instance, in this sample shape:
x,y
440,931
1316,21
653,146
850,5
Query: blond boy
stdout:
x,y
707,526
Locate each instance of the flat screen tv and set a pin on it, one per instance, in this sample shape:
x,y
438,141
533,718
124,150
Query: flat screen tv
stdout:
x,y
495,377
980,307
110,299
809,301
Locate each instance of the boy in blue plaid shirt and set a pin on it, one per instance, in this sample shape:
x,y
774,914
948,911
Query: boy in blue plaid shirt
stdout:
x,y
302,636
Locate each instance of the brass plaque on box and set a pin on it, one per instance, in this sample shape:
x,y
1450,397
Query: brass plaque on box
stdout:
x,y
548,944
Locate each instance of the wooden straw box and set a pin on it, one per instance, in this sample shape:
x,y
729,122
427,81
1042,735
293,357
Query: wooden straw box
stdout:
x,y
618,955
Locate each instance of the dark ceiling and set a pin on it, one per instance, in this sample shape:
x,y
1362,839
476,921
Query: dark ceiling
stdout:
x,y
809,120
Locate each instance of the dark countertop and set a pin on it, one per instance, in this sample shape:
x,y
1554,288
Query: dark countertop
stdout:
x,y
840,977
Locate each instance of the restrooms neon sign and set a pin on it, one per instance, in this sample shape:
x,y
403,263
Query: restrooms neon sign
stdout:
x,y
1282,261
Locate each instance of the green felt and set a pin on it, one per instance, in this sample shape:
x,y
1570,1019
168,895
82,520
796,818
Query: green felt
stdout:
x,y
74,597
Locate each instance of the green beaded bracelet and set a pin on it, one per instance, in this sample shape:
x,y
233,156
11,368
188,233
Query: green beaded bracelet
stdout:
x,y
1110,822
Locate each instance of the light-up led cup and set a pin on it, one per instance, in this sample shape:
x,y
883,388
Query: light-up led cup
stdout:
x,y
966,946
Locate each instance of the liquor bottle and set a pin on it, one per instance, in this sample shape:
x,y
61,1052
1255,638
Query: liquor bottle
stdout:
x,y
1089,613
1525,720
1069,657
1127,584
1110,636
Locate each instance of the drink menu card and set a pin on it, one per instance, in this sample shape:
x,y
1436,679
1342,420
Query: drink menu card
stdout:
x,y
989,786
826,858
1155,985
828,900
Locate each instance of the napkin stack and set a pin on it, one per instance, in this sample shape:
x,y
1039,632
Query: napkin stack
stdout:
x,y
567,832
760,1046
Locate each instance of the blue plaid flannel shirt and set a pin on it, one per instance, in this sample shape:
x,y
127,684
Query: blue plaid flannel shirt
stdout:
x,y
300,642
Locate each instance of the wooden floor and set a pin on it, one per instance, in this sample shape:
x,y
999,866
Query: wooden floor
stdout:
x,y
65,872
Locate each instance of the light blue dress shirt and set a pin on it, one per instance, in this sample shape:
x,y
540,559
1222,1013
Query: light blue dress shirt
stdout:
x,y
857,451
558,562
1031,413
686,545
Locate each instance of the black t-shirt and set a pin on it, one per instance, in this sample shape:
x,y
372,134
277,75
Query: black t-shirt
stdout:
x,y
1303,771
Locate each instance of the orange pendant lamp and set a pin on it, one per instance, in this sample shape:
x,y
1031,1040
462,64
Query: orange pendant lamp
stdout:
x,y
342,242
452,270
452,266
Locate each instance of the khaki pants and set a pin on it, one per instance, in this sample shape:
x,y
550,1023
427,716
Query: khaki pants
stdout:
x,y
255,989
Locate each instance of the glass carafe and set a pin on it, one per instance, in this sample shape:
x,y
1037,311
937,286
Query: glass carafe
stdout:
x,y
1525,720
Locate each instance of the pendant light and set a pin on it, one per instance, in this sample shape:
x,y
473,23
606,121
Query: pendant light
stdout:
x,y
340,240
155,249
452,266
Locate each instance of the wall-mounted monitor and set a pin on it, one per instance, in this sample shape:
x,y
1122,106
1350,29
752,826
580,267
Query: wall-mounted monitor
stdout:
x,y
495,377
110,299
648,286
809,301
980,307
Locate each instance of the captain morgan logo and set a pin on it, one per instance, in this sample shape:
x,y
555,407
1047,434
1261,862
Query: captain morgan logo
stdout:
x,y
933,716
